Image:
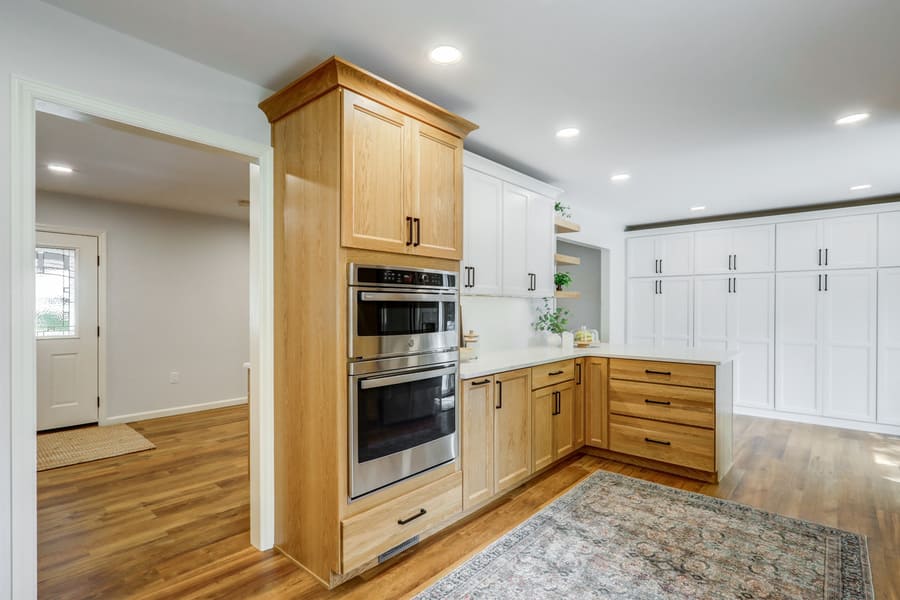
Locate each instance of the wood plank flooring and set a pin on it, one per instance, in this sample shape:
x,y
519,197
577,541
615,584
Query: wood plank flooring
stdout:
x,y
173,522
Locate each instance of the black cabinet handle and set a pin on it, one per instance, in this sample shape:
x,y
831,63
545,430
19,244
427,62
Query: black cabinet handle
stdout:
x,y
820,257
473,276
418,223
729,262
660,402
826,262
735,262
826,279
650,372
409,231
552,373
660,286
820,282
660,442
734,285
559,403
656,266
499,404
481,382
660,270
729,284
421,513
578,379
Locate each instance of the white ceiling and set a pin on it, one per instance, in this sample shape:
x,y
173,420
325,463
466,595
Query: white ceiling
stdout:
x,y
127,165
723,103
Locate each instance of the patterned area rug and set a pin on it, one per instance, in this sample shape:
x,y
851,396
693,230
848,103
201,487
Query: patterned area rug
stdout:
x,y
616,537
85,444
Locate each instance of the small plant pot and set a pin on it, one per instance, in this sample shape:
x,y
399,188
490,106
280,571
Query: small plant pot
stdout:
x,y
559,288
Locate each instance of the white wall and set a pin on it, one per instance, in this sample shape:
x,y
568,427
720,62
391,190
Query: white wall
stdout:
x,y
587,278
49,45
177,300
501,323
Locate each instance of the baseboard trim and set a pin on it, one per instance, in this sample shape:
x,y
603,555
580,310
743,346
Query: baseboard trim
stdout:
x,y
818,420
176,410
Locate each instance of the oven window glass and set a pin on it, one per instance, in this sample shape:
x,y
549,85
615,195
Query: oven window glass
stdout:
x,y
385,317
400,416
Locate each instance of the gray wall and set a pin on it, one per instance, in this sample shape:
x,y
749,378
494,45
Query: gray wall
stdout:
x,y
589,278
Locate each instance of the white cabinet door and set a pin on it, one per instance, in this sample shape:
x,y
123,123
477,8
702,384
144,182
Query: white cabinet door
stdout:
x,y
849,344
642,318
752,333
516,281
889,239
712,296
483,234
642,259
798,245
541,245
850,242
675,312
754,249
712,251
797,311
675,253
889,346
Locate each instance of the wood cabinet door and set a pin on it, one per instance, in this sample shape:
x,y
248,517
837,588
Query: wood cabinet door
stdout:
x,y
376,176
512,429
564,421
579,409
597,401
543,417
437,200
477,440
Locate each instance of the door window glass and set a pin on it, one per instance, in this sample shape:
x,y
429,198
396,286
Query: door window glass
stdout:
x,y
54,277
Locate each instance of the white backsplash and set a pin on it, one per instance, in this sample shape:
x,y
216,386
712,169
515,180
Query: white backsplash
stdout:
x,y
502,323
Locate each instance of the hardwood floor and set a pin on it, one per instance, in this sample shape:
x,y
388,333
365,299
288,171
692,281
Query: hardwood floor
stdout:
x,y
173,522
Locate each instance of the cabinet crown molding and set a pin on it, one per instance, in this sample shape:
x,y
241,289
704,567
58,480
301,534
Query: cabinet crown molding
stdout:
x,y
339,73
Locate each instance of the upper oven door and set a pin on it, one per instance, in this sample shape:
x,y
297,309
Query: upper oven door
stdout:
x,y
392,323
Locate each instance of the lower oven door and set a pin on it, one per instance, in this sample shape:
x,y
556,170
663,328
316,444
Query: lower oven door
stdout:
x,y
401,423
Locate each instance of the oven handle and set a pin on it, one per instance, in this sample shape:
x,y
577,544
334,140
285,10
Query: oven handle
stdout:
x,y
377,382
400,297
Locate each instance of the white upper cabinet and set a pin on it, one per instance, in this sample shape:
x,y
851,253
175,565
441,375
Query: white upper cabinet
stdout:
x,y
541,246
660,311
888,411
482,242
889,239
735,250
516,281
665,255
835,243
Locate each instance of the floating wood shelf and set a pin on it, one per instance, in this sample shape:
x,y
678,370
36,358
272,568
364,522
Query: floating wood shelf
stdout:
x,y
562,259
568,294
563,226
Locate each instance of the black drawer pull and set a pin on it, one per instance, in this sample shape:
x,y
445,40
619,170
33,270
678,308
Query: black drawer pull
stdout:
x,y
652,441
666,373
552,373
481,382
499,395
421,513
661,402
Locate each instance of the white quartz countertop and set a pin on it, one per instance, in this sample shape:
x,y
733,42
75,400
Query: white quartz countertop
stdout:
x,y
509,360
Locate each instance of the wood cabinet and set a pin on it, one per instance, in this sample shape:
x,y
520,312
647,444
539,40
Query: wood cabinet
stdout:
x,y
734,250
580,408
888,411
512,429
597,401
477,440
437,199
834,243
553,423
655,255
482,242
660,311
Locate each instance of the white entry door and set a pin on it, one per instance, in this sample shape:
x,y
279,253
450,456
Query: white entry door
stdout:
x,y
66,329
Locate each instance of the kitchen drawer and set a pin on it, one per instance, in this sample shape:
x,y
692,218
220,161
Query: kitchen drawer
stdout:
x,y
666,442
701,376
552,373
369,534
672,403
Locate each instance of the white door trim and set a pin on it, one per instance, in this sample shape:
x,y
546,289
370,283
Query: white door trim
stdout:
x,y
26,95
101,306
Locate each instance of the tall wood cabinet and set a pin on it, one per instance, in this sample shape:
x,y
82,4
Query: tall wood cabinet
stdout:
x,y
364,171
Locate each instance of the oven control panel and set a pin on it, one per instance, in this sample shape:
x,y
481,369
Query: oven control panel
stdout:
x,y
410,277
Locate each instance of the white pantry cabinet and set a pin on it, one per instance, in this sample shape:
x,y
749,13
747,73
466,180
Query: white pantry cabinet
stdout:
x,y
528,243
660,311
656,255
482,239
888,411
889,239
737,313
735,250
826,343
834,243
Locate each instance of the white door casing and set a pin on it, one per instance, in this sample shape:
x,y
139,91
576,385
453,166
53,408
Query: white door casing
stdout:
x,y
67,332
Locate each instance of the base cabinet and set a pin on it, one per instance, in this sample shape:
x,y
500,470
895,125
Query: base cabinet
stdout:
x,y
512,429
477,440
596,401
553,432
580,408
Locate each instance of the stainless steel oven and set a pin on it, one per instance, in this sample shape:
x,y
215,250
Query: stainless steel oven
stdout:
x,y
402,418
394,311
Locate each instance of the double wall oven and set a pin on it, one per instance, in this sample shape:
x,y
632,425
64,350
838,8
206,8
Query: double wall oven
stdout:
x,y
403,357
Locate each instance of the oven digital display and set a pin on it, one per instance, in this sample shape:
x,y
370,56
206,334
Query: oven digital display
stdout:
x,y
371,275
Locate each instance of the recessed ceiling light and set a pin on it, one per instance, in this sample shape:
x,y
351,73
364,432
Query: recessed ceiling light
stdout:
x,y
620,177
445,55
698,208
861,187
568,132
854,118
60,168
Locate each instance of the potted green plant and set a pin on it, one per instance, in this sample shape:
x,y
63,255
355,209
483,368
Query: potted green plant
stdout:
x,y
552,322
562,280
563,210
